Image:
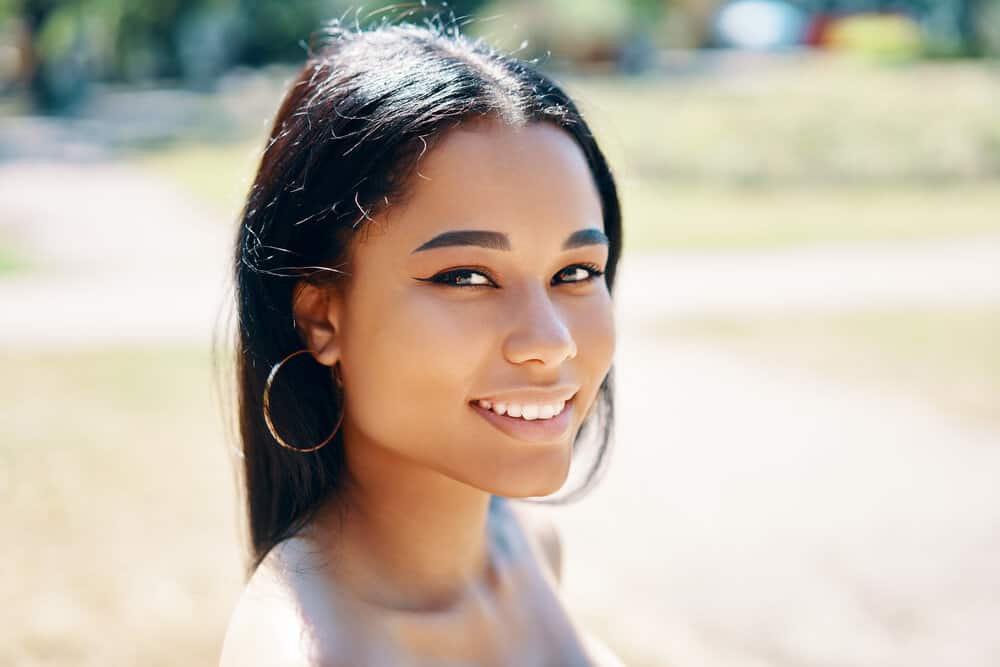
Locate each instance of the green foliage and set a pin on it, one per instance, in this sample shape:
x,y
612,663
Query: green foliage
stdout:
x,y
576,29
887,38
987,25
189,39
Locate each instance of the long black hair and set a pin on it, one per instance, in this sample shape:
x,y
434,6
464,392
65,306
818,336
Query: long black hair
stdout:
x,y
362,110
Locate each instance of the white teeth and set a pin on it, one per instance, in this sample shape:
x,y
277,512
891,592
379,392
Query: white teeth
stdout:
x,y
527,412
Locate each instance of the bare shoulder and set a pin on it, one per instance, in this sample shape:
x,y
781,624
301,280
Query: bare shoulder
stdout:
x,y
540,529
287,617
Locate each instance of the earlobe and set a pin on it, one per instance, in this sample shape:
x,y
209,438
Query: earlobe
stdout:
x,y
315,309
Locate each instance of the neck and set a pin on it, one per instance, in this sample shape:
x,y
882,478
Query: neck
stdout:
x,y
406,537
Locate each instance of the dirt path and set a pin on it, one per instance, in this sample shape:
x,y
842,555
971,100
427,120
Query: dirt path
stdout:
x,y
120,256
816,278
755,516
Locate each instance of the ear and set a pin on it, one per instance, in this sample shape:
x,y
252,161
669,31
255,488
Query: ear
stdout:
x,y
317,311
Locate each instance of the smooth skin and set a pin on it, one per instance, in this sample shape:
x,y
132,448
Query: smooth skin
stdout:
x,y
435,561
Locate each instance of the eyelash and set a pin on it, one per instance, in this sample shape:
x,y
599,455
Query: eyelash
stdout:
x,y
595,273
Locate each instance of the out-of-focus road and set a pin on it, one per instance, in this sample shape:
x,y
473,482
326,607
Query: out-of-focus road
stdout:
x,y
119,256
758,516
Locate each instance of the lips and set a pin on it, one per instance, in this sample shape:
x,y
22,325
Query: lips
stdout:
x,y
537,430
536,395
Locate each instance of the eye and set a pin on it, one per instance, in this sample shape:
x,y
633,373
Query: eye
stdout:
x,y
463,278
583,272
475,277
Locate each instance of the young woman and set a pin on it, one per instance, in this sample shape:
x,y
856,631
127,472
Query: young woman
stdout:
x,y
423,273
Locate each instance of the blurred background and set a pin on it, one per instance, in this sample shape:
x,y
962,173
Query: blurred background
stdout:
x,y
808,437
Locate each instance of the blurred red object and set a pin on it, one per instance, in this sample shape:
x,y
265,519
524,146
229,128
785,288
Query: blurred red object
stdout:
x,y
817,34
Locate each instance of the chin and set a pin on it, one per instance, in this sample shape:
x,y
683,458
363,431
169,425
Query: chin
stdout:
x,y
538,480
544,490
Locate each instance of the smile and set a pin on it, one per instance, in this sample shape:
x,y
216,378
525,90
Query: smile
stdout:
x,y
529,422
528,411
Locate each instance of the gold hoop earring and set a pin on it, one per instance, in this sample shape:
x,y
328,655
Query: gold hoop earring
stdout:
x,y
267,407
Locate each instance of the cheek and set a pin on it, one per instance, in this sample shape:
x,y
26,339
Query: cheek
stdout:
x,y
593,328
409,361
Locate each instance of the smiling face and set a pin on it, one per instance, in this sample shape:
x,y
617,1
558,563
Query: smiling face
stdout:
x,y
481,293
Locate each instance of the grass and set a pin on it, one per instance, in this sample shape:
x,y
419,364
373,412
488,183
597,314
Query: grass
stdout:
x,y
11,262
812,151
685,217
118,509
947,357
219,175
821,120
663,215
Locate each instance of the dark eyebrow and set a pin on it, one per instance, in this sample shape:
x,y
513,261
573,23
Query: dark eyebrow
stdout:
x,y
500,241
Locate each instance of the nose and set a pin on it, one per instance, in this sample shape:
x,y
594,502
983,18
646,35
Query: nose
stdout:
x,y
539,332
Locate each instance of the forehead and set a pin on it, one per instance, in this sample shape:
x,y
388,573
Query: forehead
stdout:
x,y
530,182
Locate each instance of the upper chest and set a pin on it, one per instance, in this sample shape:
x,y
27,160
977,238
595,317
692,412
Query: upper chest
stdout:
x,y
519,621
525,626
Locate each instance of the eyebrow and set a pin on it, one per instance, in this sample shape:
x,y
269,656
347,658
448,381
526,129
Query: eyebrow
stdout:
x,y
500,241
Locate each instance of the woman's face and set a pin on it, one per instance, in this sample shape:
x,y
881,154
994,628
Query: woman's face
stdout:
x,y
509,311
